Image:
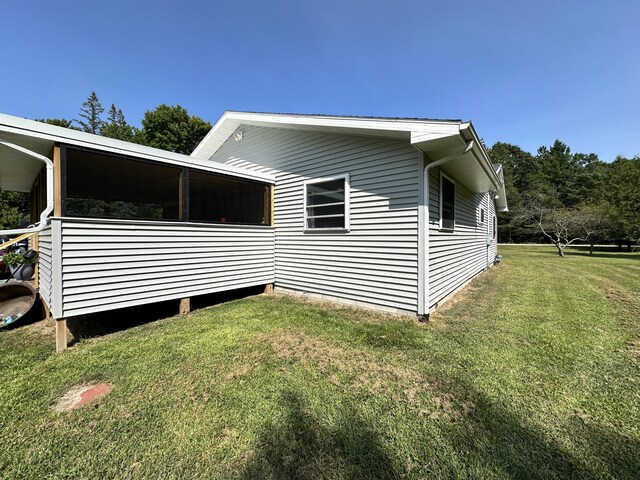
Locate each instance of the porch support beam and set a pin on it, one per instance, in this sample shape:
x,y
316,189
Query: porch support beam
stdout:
x,y
185,306
61,334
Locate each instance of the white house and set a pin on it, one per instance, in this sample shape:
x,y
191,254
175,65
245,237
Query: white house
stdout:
x,y
393,214
390,213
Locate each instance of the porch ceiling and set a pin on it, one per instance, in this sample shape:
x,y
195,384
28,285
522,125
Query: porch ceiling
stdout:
x,y
17,170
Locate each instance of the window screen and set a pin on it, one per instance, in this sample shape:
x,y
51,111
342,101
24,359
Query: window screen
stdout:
x,y
216,198
447,204
100,185
326,204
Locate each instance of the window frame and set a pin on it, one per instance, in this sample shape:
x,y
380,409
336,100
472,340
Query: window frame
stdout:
x,y
346,177
441,228
483,216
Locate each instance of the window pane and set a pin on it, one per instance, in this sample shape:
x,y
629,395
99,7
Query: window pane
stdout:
x,y
216,198
326,222
325,192
101,185
326,210
326,204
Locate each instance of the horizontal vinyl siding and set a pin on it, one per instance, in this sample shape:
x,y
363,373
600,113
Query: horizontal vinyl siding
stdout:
x,y
455,257
109,265
376,263
45,266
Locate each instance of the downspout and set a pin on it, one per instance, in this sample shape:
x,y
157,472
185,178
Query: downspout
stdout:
x,y
45,213
425,251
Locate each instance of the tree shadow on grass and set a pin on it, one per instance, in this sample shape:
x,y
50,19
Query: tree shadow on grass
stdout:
x,y
301,447
492,438
618,452
505,441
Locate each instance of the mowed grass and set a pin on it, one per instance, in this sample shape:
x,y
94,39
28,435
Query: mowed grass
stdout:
x,y
532,372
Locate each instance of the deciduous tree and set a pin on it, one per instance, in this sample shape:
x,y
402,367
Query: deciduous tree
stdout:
x,y
566,226
172,128
14,208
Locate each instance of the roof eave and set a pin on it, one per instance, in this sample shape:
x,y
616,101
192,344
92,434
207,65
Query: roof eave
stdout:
x,y
51,133
231,120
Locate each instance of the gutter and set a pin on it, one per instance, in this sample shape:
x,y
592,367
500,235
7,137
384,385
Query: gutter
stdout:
x,y
44,220
491,173
424,252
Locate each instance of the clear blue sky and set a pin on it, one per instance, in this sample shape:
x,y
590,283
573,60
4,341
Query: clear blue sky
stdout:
x,y
525,72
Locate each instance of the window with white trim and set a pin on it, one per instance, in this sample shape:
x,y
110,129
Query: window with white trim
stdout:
x,y
326,203
447,203
482,216
495,226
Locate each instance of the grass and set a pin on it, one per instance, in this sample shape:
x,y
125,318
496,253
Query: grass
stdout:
x,y
532,372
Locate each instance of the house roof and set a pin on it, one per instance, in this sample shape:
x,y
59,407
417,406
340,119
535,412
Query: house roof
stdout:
x,y
18,170
436,138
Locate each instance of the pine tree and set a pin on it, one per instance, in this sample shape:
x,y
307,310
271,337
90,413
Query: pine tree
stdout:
x,y
117,127
91,111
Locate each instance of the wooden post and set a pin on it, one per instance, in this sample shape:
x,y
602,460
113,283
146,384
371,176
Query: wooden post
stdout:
x,y
61,334
268,288
185,306
272,206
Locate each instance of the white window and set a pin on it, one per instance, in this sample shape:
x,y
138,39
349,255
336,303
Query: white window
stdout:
x,y
447,203
326,203
495,226
482,216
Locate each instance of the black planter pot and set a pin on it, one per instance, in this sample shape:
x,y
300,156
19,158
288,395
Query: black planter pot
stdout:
x,y
24,271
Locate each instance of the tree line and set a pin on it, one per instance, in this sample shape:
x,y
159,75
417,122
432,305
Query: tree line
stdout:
x,y
166,127
562,197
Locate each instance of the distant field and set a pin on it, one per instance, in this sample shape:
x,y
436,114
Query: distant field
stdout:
x,y
532,372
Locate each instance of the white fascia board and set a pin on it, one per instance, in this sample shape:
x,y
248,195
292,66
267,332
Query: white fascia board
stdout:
x,y
31,128
213,140
382,124
230,121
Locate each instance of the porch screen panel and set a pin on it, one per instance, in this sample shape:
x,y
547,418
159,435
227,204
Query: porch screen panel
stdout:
x,y
100,185
217,198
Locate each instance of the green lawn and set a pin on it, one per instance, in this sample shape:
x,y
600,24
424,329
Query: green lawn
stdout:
x,y
532,372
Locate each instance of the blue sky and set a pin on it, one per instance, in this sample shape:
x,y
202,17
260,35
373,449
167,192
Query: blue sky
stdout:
x,y
523,72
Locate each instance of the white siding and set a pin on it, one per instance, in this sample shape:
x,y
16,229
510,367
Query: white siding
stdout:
x,y
455,257
108,264
376,263
45,266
